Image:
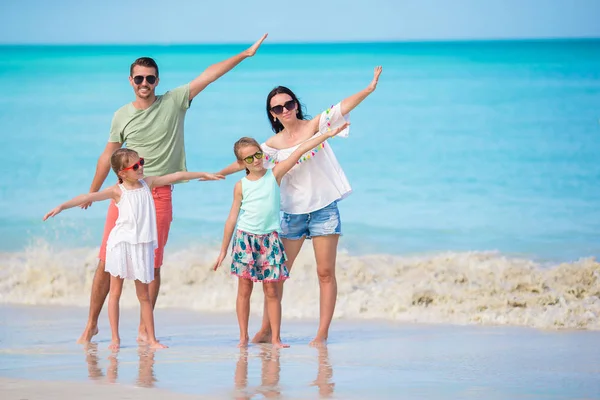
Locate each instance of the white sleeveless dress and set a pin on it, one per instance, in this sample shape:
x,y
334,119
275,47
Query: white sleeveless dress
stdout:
x,y
131,243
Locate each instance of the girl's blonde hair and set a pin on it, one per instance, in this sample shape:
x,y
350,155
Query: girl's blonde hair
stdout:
x,y
244,142
121,158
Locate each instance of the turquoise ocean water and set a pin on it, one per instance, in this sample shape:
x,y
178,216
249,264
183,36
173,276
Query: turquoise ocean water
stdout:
x,y
464,147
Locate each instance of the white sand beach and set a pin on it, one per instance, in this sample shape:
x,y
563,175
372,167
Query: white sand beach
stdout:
x,y
370,359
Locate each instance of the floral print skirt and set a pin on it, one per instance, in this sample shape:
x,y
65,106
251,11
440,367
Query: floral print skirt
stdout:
x,y
260,258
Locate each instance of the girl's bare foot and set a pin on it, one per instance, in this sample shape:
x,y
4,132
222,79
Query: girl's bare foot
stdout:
x,y
243,342
262,337
158,345
114,345
278,345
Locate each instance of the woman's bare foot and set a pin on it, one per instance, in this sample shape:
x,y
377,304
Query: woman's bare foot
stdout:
x,y
158,345
262,337
114,345
318,341
278,345
88,333
243,342
142,338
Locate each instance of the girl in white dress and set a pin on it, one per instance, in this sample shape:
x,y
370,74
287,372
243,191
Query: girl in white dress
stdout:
x,y
131,244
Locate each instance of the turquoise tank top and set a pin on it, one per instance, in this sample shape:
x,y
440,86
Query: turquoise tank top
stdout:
x,y
260,205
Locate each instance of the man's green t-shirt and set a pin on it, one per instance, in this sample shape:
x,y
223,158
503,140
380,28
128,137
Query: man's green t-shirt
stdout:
x,y
156,133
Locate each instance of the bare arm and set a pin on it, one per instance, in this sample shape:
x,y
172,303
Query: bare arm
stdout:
x,y
102,168
231,169
350,103
230,223
219,69
156,181
112,192
283,167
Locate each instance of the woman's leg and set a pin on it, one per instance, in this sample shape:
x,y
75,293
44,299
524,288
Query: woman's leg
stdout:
x,y
273,300
114,296
242,308
147,313
325,252
292,248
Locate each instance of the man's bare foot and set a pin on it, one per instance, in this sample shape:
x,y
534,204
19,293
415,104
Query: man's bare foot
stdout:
x,y
318,341
278,345
114,345
262,337
88,333
158,345
243,342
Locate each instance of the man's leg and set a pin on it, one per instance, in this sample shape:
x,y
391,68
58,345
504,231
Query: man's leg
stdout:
x,y
101,282
164,215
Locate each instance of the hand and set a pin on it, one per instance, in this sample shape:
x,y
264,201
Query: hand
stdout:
x,y
219,261
211,177
52,213
85,206
337,130
252,49
373,85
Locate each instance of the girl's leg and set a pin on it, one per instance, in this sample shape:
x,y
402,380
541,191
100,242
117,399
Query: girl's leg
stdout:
x,y
116,287
242,308
143,295
292,248
273,300
325,252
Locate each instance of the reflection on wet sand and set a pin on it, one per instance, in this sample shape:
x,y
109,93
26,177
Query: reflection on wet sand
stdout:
x,y
91,358
270,372
145,378
325,373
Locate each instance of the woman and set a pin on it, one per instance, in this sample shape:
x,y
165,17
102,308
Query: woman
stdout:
x,y
310,191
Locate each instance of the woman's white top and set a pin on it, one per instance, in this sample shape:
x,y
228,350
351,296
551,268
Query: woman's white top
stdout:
x,y
317,180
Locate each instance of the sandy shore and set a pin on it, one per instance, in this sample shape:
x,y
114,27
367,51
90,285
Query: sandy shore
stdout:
x,y
363,360
20,389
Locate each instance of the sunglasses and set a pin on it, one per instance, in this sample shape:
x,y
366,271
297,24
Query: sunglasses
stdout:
x,y
250,159
289,105
135,166
138,79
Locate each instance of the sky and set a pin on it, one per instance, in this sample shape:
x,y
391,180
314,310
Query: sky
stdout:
x,y
241,21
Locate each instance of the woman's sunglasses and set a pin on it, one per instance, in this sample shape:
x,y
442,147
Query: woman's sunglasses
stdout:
x,y
138,79
250,159
289,105
135,166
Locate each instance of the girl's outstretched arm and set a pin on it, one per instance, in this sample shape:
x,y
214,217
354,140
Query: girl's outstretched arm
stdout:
x,y
156,181
231,169
283,167
112,192
230,223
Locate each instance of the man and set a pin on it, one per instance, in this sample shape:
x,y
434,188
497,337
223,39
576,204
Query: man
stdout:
x,y
153,126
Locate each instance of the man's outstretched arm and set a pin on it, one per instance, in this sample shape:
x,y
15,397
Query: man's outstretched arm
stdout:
x,y
219,69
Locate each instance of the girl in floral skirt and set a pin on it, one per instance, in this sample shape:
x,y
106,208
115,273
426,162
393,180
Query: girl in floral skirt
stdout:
x,y
257,252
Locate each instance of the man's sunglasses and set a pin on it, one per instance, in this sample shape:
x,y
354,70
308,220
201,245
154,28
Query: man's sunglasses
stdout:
x,y
138,79
135,166
289,105
250,159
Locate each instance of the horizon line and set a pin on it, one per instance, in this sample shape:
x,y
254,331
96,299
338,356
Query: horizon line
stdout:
x,y
341,42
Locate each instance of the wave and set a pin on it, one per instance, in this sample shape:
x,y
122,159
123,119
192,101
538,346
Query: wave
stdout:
x,y
456,287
